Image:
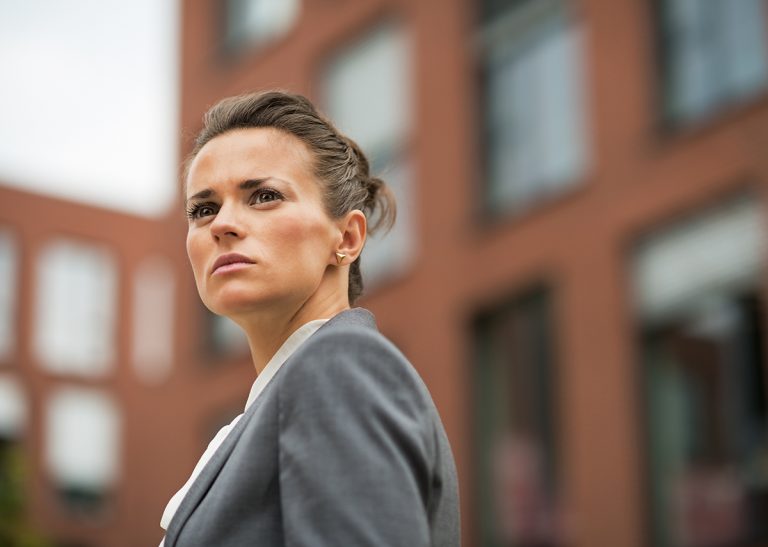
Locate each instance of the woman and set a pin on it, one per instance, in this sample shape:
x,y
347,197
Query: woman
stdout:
x,y
340,443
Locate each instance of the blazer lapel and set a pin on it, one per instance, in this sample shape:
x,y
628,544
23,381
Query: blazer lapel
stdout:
x,y
203,482
353,317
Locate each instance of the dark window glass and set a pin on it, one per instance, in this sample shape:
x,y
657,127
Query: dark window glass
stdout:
x,y
223,338
82,501
15,529
492,9
514,424
257,22
708,432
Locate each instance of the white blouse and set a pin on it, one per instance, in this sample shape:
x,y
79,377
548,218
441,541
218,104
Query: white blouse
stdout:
x,y
293,342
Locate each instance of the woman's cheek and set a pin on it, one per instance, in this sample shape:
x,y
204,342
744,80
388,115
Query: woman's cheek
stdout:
x,y
305,231
195,253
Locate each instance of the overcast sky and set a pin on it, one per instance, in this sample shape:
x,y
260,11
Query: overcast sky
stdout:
x,y
88,100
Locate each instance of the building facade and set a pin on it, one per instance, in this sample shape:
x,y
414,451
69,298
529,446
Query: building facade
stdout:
x,y
577,271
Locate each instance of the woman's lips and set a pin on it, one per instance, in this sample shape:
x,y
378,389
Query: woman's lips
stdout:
x,y
230,263
227,268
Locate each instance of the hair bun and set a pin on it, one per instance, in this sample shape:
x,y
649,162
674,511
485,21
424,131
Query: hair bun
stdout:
x,y
379,205
373,185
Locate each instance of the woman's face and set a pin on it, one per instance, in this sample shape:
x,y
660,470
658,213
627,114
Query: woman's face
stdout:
x,y
259,235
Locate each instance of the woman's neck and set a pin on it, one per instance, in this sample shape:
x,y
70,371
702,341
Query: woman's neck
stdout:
x,y
268,330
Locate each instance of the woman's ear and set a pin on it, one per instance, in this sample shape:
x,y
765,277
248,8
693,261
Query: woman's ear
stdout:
x,y
352,228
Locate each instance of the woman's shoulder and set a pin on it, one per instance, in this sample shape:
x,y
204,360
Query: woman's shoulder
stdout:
x,y
347,337
350,350
351,332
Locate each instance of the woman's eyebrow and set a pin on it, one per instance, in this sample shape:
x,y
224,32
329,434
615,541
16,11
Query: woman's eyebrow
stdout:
x,y
202,194
252,183
245,185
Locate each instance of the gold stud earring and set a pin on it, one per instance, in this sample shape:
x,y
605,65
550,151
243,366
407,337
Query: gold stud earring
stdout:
x,y
340,257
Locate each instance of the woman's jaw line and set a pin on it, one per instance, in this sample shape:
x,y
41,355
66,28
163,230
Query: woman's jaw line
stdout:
x,y
269,326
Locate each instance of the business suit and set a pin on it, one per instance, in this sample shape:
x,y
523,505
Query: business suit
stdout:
x,y
344,447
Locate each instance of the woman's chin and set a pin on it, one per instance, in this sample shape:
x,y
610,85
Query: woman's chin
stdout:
x,y
233,305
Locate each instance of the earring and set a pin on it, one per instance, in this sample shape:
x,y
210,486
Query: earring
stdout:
x,y
340,257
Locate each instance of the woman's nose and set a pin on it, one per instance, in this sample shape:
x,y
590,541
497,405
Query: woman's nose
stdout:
x,y
226,223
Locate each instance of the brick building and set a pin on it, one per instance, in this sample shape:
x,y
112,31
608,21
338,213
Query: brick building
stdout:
x,y
577,272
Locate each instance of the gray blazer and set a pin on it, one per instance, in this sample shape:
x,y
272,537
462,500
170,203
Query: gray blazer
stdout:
x,y
343,448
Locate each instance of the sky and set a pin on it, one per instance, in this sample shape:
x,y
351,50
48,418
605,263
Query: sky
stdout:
x,y
88,101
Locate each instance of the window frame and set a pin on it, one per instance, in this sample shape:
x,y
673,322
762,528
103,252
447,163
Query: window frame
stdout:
x,y
540,296
231,49
15,281
110,260
517,21
385,155
731,102
647,324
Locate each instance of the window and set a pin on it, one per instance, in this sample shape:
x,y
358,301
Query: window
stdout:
x,y
367,94
8,291
224,337
13,409
714,54
14,467
82,447
702,322
153,319
258,22
533,101
75,309
515,425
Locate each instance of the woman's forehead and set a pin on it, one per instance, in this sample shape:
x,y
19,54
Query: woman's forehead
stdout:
x,y
262,143
250,153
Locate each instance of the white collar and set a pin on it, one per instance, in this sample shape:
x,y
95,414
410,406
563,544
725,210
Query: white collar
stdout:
x,y
290,345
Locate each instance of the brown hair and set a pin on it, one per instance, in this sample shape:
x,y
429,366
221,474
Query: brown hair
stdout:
x,y
339,163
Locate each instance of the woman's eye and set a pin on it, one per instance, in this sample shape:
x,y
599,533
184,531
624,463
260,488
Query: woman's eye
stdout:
x,y
265,195
200,210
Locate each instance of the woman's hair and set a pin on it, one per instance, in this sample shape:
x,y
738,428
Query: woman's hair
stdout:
x,y
339,163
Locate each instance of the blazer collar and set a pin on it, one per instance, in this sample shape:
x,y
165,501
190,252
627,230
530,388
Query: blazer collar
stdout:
x,y
351,317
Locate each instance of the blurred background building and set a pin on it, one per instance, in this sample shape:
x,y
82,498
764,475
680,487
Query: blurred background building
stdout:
x,y
577,272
